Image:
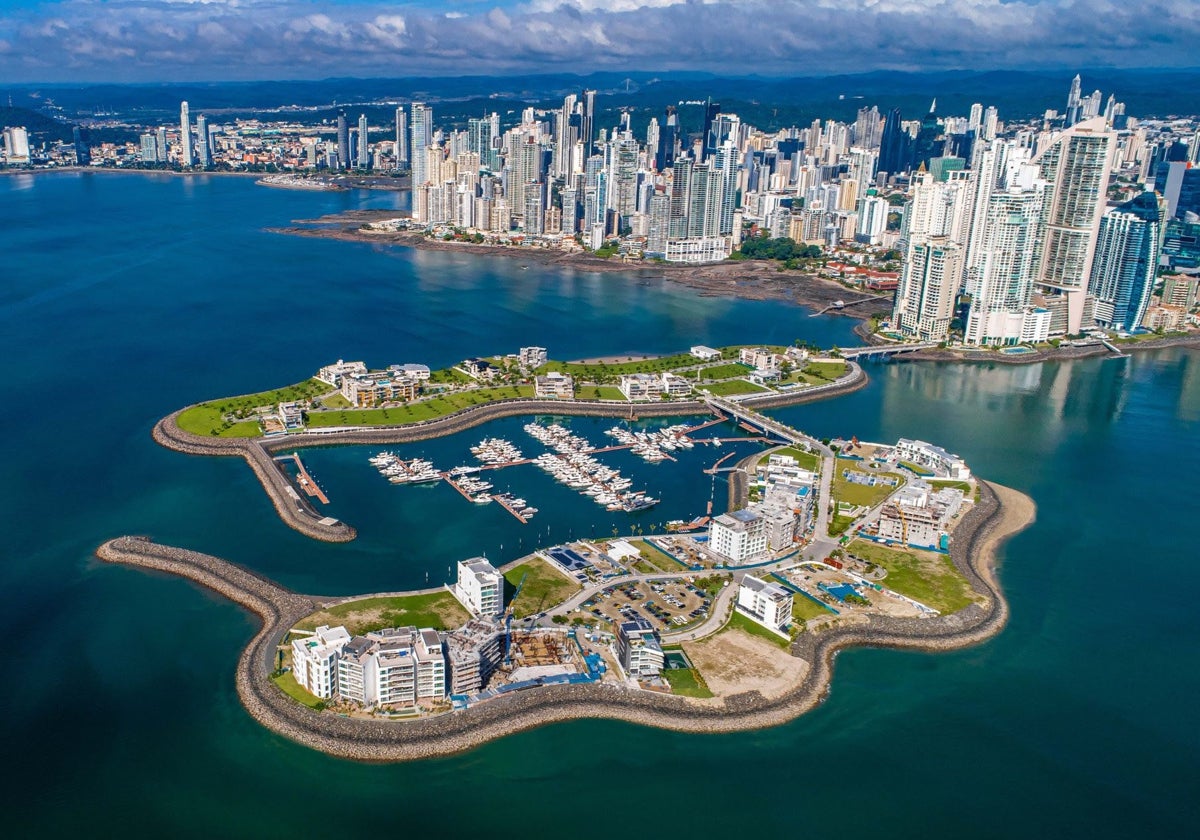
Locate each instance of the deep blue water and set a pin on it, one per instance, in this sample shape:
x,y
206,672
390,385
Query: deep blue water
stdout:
x,y
126,296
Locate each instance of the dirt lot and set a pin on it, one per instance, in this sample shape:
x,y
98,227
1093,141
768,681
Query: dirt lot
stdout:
x,y
734,661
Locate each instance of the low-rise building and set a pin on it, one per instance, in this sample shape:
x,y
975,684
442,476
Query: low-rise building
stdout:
x,y
396,666
474,651
332,374
315,660
738,535
554,386
291,416
675,386
479,369
532,357
639,648
705,354
917,515
368,390
641,386
767,603
480,587
410,370
759,358
932,457
779,524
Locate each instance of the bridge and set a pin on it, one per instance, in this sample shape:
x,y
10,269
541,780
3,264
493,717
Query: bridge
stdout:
x,y
883,351
750,417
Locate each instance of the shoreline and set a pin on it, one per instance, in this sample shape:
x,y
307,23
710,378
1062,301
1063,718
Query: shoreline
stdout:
x,y
300,515
740,279
1000,513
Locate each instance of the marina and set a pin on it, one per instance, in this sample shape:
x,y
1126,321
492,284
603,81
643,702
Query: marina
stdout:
x,y
306,482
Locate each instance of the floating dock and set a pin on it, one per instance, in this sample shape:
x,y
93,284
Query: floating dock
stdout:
x,y
305,480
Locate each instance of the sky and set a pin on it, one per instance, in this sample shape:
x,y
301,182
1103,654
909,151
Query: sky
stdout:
x,y
218,40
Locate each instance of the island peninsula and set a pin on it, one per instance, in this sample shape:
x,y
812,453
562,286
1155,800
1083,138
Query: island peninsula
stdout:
x,y
885,546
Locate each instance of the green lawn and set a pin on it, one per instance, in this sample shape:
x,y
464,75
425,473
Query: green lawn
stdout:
x,y
288,685
544,587
729,371
939,483
733,386
826,370
804,609
655,557
916,468
686,682
439,610
335,401
927,576
417,411
860,494
839,524
209,418
806,460
449,375
737,621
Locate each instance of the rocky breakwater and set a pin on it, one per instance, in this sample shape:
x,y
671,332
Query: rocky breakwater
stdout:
x,y
999,513
292,508
299,514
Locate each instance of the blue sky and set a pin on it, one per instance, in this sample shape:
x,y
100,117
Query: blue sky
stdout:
x,y
196,40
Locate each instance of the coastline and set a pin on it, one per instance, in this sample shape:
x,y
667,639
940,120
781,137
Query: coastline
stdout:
x,y
1000,513
301,516
742,279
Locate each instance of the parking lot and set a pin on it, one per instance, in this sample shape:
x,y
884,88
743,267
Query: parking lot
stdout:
x,y
669,605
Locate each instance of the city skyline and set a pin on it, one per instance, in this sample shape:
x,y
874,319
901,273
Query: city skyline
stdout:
x,y
221,40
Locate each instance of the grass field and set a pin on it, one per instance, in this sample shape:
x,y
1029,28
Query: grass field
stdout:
x,y
729,371
859,494
209,418
806,460
839,524
939,483
733,386
417,411
826,370
439,610
288,685
654,557
737,621
544,587
804,609
927,576
686,682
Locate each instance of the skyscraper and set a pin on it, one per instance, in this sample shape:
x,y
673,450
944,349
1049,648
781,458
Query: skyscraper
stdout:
x,y
1074,104
203,142
587,128
708,142
343,141
895,146
363,158
402,156
1126,262
422,138
1076,165
668,141
83,152
185,136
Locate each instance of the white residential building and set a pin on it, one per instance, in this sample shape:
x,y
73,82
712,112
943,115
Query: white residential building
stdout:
x,y
738,535
641,386
474,652
705,354
480,587
779,525
639,648
332,374
315,660
554,385
532,357
675,386
767,603
932,457
759,358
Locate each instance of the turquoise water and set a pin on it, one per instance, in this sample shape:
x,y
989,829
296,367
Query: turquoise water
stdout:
x,y
125,297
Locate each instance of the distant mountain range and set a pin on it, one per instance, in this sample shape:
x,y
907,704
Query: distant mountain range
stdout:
x,y
766,102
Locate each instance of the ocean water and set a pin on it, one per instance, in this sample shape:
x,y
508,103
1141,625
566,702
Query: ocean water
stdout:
x,y
127,296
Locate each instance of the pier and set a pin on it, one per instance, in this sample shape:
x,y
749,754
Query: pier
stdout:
x,y
504,504
304,479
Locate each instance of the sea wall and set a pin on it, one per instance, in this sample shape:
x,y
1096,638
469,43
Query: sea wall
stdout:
x,y
299,513
982,529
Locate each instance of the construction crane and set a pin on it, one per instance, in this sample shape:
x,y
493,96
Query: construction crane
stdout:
x,y
508,620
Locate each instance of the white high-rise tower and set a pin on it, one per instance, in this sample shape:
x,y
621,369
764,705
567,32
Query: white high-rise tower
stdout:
x,y
185,135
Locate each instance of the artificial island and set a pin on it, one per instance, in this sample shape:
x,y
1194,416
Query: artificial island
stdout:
x,y
719,623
